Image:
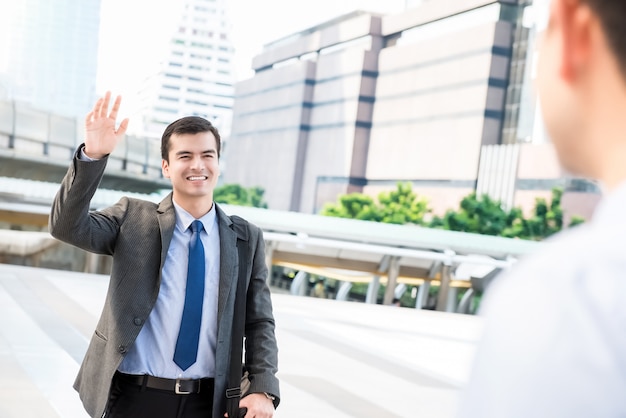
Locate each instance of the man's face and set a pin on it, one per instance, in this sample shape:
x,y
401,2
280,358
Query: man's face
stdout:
x,y
193,166
559,98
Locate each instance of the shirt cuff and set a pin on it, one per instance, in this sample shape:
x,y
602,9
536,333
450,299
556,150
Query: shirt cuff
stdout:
x,y
84,157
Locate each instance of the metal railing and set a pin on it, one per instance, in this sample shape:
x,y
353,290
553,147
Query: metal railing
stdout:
x,y
32,134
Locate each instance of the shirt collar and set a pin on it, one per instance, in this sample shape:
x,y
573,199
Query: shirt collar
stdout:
x,y
612,205
184,218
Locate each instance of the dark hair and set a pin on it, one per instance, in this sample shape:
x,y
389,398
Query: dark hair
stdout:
x,y
187,125
612,15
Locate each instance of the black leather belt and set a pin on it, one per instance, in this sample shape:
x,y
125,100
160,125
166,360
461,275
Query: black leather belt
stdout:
x,y
177,386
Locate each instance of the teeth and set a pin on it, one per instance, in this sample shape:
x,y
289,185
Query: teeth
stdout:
x,y
197,178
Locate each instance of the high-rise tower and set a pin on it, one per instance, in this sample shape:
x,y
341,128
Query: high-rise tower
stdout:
x,y
196,77
49,54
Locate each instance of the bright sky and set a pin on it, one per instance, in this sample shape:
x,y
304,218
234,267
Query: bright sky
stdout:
x,y
134,34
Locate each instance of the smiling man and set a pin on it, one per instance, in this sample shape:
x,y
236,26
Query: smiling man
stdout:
x,y
162,347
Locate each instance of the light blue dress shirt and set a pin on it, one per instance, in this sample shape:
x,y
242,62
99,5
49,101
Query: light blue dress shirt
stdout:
x,y
153,351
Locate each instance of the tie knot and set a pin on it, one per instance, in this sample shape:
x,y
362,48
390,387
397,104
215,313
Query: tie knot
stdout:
x,y
196,226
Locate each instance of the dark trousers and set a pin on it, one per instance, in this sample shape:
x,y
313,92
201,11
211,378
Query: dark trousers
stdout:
x,y
129,400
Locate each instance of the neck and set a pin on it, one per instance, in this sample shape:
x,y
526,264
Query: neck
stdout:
x,y
196,207
608,141
605,104
613,171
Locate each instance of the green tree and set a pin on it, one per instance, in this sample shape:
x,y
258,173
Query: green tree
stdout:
x,y
235,194
481,215
402,206
546,219
399,206
484,215
353,206
576,220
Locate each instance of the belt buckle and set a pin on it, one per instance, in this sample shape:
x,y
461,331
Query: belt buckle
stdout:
x,y
178,391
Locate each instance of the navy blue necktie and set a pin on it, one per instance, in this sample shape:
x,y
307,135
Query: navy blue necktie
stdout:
x,y
187,344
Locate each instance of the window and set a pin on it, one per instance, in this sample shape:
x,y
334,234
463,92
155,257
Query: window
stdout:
x,y
164,110
195,102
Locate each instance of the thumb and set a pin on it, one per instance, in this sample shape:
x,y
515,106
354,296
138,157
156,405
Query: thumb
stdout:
x,y
121,130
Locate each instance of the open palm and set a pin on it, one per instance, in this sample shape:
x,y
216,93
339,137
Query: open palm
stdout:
x,y
101,137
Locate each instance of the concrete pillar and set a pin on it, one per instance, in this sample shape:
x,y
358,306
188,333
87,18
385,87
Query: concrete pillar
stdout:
x,y
445,279
372,290
299,284
392,278
269,254
453,293
92,262
344,290
444,288
269,260
422,295
465,304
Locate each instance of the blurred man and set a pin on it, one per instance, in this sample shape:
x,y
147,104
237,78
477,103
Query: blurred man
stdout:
x,y
555,332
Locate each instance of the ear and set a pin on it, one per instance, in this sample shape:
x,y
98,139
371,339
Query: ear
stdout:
x,y
575,20
165,169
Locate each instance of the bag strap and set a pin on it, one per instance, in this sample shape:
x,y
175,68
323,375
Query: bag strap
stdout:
x,y
233,393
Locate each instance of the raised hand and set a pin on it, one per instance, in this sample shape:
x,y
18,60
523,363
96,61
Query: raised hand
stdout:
x,y
101,137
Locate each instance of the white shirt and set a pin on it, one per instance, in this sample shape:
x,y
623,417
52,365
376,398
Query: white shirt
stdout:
x,y
153,351
554,342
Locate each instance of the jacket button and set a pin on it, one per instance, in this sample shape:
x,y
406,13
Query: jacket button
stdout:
x,y
138,321
121,349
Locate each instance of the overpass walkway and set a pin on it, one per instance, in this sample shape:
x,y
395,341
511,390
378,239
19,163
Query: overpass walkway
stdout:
x,y
336,359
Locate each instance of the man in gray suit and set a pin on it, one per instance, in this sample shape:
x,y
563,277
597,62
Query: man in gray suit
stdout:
x,y
142,361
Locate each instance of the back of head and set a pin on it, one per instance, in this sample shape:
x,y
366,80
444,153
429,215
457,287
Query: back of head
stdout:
x,y
612,15
581,80
188,125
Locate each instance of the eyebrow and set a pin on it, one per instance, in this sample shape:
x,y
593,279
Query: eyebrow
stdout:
x,y
209,151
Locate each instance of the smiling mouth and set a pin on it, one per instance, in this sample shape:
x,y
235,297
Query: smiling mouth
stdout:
x,y
194,178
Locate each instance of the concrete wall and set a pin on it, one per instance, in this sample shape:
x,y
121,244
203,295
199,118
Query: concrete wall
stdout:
x,y
435,101
267,141
340,117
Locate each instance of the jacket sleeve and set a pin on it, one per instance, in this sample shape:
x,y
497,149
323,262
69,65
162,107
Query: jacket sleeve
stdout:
x,y
261,347
70,218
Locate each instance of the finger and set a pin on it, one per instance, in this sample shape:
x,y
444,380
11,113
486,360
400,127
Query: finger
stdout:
x,y
105,105
96,108
88,117
116,107
122,128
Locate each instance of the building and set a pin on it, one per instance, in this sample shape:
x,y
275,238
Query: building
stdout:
x,y
48,54
307,111
196,78
431,96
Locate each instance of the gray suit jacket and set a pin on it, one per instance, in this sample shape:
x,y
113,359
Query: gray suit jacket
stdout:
x,y
137,234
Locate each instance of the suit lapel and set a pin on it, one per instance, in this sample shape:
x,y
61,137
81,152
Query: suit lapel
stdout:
x,y
228,260
167,222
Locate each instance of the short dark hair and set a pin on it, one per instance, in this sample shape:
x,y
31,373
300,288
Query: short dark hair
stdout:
x,y
612,15
188,125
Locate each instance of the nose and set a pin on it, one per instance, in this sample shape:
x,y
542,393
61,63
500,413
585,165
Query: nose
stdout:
x,y
196,163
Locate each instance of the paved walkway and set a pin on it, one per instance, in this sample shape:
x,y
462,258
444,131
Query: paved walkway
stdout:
x,y
336,359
